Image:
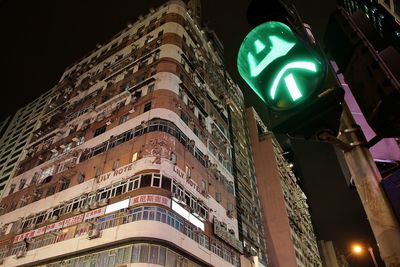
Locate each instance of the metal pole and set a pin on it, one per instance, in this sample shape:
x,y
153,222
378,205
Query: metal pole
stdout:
x,y
367,180
371,252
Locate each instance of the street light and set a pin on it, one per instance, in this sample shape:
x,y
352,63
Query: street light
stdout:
x,y
359,249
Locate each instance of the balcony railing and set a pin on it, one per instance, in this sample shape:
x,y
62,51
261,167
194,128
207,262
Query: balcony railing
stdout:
x,y
150,213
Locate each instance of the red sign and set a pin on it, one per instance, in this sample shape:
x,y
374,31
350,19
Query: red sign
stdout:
x,y
54,226
154,199
30,234
73,220
94,213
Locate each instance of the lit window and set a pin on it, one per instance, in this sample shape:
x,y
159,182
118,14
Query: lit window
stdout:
x,y
188,171
134,157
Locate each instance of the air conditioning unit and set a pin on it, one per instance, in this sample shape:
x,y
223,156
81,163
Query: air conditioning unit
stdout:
x,y
213,166
85,208
94,205
77,211
103,202
108,122
20,254
53,218
94,233
31,226
182,199
131,110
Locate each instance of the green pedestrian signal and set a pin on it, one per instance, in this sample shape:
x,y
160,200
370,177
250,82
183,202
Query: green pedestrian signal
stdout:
x,y
280,69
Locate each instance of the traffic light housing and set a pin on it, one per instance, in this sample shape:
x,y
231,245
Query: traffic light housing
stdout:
x,y
296,91
370,67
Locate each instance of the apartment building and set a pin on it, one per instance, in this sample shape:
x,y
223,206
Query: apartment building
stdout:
x,y
289,232
16,133
139,158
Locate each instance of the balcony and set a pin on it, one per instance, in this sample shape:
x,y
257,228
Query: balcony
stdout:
x,y
151,223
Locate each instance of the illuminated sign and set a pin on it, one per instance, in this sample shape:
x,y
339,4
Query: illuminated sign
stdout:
x,y
153,199
117,206
278,66
187,215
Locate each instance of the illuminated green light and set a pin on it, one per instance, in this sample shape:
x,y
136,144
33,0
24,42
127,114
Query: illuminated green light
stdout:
x,y
310,66
259,46
293,88
279,67
279,48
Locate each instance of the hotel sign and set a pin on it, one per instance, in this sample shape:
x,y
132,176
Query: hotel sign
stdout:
x,y
118,172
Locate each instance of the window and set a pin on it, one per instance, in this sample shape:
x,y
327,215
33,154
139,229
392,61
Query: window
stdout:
x,y
147,107
146,180
172,157
184,117
166,183
134,157
133,183
142,63
188,171
123,118
12,188
50,191
218,197
81,140
150,88
67,147
100,130
81,178
156,180
203,186
21,184
115,164
64,183
144,253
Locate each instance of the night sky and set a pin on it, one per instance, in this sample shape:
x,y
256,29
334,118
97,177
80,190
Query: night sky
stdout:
x,y
40,38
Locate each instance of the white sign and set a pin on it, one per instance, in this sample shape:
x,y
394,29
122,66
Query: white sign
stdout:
x,y
117,206
153,199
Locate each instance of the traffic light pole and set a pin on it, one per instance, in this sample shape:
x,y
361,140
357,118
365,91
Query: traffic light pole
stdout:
x,y
367,179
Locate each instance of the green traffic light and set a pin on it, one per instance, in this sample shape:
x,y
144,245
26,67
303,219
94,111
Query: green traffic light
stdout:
x,y
277,66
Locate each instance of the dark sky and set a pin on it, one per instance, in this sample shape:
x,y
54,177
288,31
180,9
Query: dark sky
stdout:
x,y
40,38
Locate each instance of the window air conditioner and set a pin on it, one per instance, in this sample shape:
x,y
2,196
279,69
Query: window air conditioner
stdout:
x,y
94,233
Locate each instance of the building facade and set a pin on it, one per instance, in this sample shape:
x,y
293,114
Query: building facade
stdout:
x,y
134,162
289,233
16,133
382,15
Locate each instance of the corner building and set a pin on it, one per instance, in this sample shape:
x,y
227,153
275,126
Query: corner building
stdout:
x,y
132,163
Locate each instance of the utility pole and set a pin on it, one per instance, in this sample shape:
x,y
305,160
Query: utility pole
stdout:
x,y
367,179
